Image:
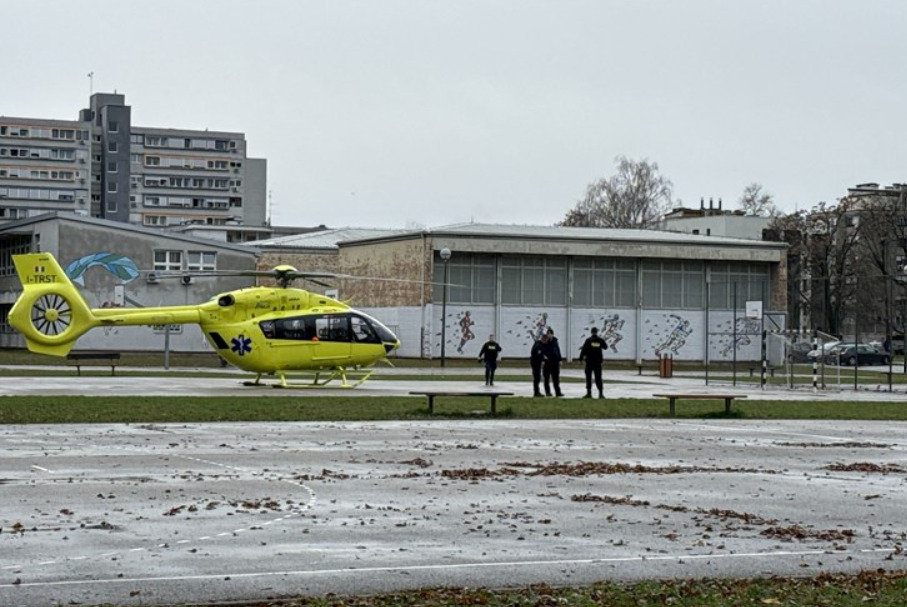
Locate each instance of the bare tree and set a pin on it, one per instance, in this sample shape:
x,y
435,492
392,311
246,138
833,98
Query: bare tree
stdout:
x,y
825,244
636,196
756,201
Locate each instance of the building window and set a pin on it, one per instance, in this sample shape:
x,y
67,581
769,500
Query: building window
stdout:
x,y
112,146
534,281
168,261
201,260
737,280
113,127
111,167
604,283
112,187
673,285
472,279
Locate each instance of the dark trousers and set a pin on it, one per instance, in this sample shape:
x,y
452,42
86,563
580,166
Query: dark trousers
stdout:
x,y
490,366
594,369
551,372
536,375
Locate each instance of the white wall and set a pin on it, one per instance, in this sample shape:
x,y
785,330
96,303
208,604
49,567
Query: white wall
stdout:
x,y
631,334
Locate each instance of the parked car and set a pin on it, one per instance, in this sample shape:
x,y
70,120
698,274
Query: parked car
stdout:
x,y
857,354
799,351
897,344
825,348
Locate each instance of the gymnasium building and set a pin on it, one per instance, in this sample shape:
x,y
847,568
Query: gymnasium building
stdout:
x,y
651,293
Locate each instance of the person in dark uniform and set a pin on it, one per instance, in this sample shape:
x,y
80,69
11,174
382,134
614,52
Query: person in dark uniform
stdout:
x,y
489,353
536,358
551,367
591,354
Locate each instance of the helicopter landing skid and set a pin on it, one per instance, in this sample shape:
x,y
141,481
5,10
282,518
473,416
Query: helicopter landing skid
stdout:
x,y
319,379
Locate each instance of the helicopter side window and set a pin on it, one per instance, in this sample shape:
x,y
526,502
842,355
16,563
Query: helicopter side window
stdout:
x,y
298,328
333,328
363,331
267,328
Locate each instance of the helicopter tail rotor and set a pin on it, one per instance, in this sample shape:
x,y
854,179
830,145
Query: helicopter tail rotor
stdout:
x,y
51,313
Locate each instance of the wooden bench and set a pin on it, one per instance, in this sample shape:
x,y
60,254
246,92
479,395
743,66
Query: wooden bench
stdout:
x,y
727,398
80,359
432,394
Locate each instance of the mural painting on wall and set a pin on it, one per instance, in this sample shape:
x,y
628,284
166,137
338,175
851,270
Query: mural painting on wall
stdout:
x,y
530,328
465,322
610,328
459,329
120,266
668,336
729,340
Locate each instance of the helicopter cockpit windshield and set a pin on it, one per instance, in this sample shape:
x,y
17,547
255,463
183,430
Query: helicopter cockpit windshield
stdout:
x,y
385,335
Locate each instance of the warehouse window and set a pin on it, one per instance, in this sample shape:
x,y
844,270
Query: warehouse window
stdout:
x,y
471,279
534,281
749,280
673,285
604,283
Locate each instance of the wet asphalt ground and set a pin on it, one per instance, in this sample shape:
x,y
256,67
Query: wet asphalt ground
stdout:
x,y
196,513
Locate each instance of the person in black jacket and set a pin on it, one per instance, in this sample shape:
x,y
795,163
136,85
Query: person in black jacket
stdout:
x,y
536,358
551,367
489,353
591,354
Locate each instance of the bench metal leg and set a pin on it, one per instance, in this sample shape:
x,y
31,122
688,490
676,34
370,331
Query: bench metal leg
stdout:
x,y
431,404
727,404
494,400
673,401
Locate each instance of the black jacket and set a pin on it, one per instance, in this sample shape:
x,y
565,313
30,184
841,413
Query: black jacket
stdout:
x,y
490,351
592,350
552,351
536,354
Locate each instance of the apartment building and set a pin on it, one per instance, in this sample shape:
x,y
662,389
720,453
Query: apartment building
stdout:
x,y
44,167
104,166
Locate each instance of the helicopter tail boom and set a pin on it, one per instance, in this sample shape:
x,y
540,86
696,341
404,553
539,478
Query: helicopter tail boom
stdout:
x,y
51,313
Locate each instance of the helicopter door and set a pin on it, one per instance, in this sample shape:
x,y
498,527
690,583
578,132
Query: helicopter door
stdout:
x,y
333,331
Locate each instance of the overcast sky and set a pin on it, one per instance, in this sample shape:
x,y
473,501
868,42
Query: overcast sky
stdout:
x,y
399,113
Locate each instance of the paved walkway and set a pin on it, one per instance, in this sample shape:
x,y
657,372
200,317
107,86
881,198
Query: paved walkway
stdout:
x,y
619,384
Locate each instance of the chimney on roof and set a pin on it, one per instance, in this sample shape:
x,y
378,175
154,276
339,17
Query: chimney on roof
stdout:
x,y
710,204
719,204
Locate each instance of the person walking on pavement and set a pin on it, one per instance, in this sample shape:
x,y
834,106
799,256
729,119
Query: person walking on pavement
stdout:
x,y
551,367
489,353
536,358
591,355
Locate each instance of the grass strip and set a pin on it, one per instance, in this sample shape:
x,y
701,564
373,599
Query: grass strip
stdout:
x,y
877,588
301,407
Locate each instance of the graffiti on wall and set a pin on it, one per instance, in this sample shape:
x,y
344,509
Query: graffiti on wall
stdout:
x,y
610,328
529,328
458,330
729,340
669,335
120,266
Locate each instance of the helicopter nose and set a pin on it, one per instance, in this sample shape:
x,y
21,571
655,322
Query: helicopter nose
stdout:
x,y
390,347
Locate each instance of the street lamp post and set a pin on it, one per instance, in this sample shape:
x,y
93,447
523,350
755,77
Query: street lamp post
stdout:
x,y
445,257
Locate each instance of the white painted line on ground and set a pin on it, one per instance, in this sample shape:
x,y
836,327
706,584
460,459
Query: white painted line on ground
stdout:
x,y
489,565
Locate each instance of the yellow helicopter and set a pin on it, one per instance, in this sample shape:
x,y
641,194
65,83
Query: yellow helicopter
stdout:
x,y
264,330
